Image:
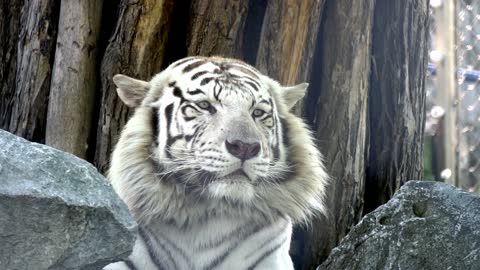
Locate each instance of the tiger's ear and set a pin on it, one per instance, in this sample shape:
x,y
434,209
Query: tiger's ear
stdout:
x,y
292,94
131,91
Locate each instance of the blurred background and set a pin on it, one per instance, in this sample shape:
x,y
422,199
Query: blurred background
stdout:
x,y
394,84
452,129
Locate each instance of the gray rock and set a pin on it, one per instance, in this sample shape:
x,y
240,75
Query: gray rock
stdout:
x,y
57,211
426,225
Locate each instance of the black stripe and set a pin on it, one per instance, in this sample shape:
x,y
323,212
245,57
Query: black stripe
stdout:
x,y
164,248
265,116
178,93
265,101
245,70
217,90
265,255
198,74
196,92
155,259
155,125
177,249
170,138
130,264
184,108
198,131
205,80
224,238
232,246
184,61
285,131
193,65
253,85
276,147
188,137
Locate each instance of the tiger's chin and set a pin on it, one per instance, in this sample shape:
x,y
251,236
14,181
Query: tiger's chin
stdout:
x,y
236,186
239,190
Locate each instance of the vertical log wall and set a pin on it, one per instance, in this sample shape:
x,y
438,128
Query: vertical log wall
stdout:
x,y
337,108
396,98
72,90
28,32
365,62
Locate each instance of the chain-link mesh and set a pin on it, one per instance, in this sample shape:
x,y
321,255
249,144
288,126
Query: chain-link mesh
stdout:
x,y
468,62
467,54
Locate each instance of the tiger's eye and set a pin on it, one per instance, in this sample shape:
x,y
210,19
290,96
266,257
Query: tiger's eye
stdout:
x,y
258,112
204,105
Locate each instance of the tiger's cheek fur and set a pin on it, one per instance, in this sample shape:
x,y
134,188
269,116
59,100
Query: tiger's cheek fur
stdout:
x,y
173,169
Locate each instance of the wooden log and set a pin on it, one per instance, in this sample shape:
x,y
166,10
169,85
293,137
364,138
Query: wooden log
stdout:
x,y
28,43
216,27
397,97
136,48
337,109
72,91
286,48
288,40
34,69
10,27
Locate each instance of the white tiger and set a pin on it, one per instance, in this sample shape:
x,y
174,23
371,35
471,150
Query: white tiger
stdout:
x,y
214,167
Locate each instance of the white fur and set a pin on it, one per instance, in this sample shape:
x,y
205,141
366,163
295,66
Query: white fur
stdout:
x,y
169,210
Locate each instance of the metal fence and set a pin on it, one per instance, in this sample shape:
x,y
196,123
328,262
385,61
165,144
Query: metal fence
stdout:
x,y
453,94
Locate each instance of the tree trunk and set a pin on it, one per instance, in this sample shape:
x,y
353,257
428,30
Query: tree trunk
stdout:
x,y
288,39
286,49
9,31
27,40
397,97
337,108
216,27
73,81
365,101
137,49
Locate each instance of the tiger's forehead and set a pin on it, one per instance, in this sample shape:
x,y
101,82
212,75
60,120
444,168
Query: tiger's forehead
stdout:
x,y
219,78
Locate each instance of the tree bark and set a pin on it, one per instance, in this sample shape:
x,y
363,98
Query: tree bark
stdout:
x,y
338,112
216,27
137,49
9,31
73,81
397,97
288,40
286,49
28,61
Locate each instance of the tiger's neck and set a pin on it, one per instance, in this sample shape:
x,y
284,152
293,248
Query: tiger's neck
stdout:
x,y
221,243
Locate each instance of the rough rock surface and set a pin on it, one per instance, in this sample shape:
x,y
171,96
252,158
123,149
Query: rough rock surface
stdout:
x,y
57,211
426,225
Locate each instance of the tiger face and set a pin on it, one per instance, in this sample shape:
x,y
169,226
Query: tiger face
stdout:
x,y
218,128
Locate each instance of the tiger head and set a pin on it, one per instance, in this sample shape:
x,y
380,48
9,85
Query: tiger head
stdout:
x,y
215,132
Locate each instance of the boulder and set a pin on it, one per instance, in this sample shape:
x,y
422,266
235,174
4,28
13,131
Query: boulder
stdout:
x,y
426,225
57,211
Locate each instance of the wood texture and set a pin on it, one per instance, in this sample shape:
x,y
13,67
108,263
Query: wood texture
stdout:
x,y
397,97
9,32
216,27
137,49
338,105
28,42
288,39
365,100
286,48
74,78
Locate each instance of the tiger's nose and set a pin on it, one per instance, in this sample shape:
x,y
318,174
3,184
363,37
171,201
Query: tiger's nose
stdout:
x,y
243,150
